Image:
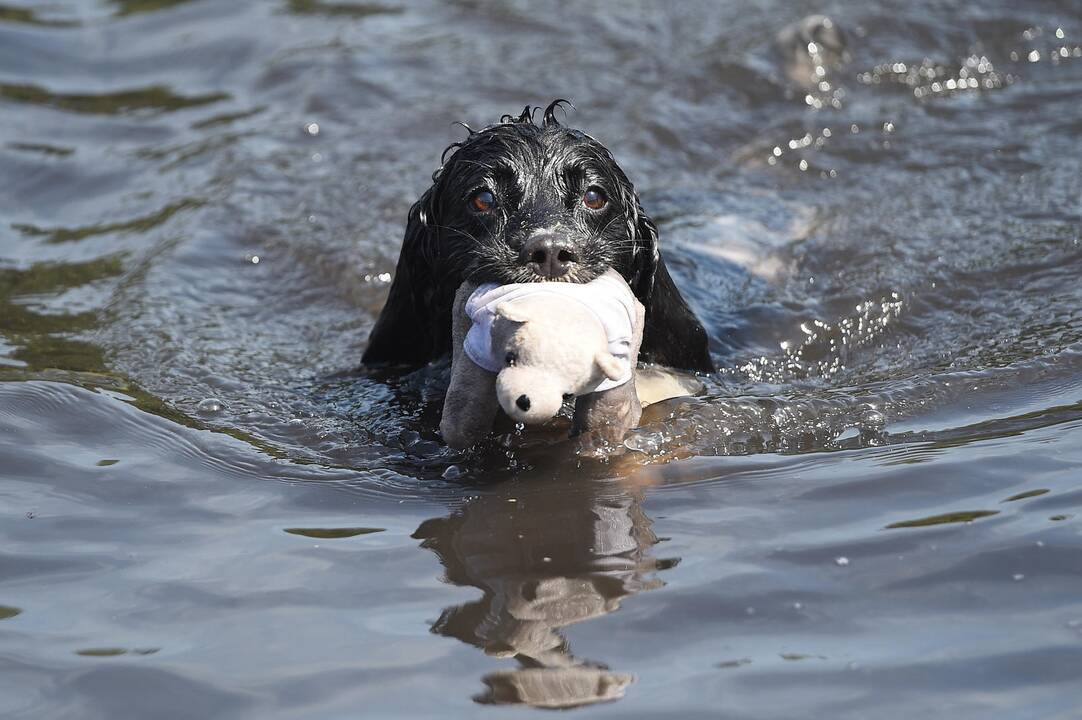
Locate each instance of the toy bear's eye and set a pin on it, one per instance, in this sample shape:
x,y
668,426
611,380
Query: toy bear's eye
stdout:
x,y
569,397
510,358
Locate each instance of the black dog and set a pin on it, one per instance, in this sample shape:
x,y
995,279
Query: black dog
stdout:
x,y
521,202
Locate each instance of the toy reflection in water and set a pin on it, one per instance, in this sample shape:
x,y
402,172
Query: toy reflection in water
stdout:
x,y
544,561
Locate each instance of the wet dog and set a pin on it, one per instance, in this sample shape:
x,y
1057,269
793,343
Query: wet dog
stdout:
x,y
524,202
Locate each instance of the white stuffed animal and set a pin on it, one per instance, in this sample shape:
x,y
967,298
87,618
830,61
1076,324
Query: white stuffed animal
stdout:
x,y
527,348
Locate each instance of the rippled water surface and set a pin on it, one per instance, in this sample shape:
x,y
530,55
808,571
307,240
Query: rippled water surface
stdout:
x,y
207,511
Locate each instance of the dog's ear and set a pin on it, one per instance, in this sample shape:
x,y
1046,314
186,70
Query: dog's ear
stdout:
x,y
672,334
645,251
414,325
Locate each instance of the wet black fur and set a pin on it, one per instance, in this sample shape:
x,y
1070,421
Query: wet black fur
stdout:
x,y
538,174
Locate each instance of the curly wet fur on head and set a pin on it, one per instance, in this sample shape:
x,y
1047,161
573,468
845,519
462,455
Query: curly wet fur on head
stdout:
x,y
537,176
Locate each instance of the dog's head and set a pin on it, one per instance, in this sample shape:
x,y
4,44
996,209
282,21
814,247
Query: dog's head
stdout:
x,y
524,202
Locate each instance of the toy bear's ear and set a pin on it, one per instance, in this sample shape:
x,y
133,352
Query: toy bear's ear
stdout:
x,y
609,365
508,311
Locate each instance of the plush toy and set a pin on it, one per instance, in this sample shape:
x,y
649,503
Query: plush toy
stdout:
x,y
527,348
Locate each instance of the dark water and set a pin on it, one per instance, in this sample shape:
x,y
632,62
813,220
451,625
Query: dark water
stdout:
x,y
873,512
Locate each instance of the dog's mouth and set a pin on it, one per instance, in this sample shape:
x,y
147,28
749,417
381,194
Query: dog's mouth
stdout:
x,y
527,274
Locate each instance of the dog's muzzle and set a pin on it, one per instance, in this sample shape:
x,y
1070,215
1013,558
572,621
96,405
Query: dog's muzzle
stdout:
x,y
549,255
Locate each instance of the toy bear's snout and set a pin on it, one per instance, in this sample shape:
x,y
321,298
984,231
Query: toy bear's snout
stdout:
x,y
529,395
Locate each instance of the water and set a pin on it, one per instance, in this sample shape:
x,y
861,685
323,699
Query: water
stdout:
x,y
207,511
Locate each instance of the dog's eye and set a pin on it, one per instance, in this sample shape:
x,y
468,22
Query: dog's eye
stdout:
x,y
594,198
510,358
483,201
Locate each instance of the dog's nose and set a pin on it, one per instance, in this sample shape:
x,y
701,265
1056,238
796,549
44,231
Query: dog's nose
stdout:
x,y
549,256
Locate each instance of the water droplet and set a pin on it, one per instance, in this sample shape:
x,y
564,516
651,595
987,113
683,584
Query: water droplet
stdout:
x,y
210,405
452,472
841,561
646,443
1018,576
312,128
255,259
1034,56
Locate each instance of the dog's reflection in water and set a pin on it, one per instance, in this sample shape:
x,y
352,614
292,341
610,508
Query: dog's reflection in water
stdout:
x,y
544,560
